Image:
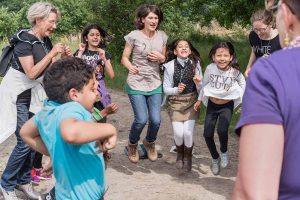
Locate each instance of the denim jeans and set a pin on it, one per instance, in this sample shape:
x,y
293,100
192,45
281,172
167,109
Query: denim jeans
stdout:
x,y
20,162
145,107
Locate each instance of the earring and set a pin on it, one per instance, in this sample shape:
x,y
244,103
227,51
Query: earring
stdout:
x,y
286,40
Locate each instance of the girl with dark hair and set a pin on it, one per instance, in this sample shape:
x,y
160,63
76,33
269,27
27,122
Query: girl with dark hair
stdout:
x,y
144,87
222,91
91,50
182,81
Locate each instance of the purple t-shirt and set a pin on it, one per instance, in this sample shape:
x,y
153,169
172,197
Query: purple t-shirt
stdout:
x,y
272,96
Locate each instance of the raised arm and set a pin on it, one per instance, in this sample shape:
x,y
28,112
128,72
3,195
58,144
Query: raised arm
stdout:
x,y
260,161
30,134
34,70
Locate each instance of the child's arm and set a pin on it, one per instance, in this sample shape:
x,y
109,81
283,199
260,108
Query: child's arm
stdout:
x,y
108,67
168,87
205,81
198,77
81,50
110,109
241,81
76,131
30,134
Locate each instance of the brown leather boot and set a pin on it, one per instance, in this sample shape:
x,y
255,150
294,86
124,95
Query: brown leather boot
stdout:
x,y
179,159
133,154
187,159
151,151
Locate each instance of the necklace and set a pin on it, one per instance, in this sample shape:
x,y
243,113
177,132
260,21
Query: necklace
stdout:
x,y
294,43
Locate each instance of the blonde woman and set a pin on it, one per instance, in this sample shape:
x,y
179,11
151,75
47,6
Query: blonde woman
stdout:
x,y
33,53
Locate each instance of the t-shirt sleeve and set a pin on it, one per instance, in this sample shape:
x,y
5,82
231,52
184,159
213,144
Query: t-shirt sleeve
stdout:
x,y
165,38
261,98
130,39
23,49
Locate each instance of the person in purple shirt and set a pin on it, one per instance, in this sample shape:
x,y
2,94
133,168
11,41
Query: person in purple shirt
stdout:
x,y
269,126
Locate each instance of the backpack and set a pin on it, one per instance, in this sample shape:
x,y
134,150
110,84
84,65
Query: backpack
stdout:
x,y
5,59
8,52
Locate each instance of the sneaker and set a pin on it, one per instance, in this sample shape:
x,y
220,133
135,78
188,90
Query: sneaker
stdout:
x,y
42,177
9,195
28,191
215,167
224,160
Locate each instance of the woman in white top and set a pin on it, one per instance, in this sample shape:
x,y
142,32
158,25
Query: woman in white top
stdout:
x,y
144,87
222,90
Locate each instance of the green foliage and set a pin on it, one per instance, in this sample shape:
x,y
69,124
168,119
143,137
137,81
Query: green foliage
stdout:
x,y
7,23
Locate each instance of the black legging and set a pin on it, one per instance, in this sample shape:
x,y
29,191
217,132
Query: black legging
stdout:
x,y
213,113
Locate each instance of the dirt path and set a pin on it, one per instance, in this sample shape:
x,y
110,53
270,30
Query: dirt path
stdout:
x,y
155,180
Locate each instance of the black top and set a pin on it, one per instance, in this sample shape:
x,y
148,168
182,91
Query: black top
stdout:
x,y
93,58
261,47
29,45
184,75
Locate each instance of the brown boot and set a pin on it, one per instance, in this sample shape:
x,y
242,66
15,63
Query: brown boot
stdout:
x,y
187,160
133,154
179,159
151,151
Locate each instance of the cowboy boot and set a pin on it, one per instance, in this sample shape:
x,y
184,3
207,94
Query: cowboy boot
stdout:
x,y
151,151
179,159
133,154
187,159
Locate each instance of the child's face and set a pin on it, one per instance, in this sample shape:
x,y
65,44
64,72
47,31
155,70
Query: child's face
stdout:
x,y
89,94
150,21
222,58
182,49
93,38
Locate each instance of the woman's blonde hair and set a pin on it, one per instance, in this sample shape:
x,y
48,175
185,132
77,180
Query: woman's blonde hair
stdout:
x,y
263,15
40,10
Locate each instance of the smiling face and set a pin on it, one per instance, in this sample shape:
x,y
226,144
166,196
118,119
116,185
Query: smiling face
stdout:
x,y
222,58
150,21
182,49
88,95
261,29
47,25
93,38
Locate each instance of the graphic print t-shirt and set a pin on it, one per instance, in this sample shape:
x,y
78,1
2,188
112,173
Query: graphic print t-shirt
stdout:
x,y
261,47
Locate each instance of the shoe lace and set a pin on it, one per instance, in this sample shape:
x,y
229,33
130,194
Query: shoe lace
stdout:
x,y
29,188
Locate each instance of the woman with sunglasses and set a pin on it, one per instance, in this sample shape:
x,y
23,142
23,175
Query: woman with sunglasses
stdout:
x,y
269,124
263,38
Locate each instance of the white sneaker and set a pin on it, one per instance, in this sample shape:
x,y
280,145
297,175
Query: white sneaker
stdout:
x,y
9,195
224,160
28,191
215,167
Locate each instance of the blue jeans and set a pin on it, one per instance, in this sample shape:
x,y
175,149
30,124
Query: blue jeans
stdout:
x,y
145,107
20,162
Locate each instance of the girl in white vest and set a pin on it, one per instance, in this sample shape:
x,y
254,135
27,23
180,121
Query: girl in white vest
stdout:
x,y
182,81
223,88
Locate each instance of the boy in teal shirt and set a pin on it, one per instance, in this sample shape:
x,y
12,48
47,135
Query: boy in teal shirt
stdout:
x,y
65,130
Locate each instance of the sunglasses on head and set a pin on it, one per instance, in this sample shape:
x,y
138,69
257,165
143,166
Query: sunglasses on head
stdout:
x,y
276,6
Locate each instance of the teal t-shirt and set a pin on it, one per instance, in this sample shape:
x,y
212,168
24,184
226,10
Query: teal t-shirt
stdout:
x,y
78,170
